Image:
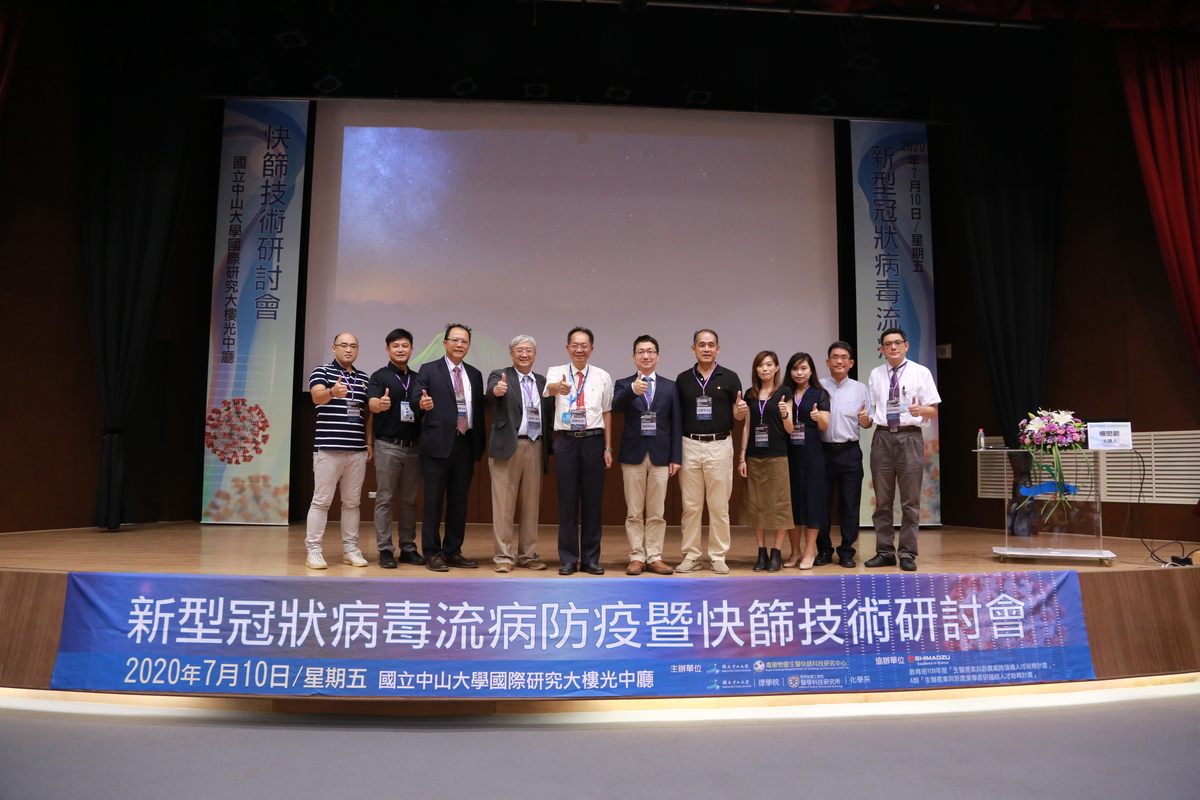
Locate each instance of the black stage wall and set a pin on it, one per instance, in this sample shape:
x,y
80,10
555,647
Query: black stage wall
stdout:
x,y
1117,348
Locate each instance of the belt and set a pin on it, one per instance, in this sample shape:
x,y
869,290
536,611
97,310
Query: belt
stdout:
x,y
901,429
523,436
581,434
839,445
707,437
399,442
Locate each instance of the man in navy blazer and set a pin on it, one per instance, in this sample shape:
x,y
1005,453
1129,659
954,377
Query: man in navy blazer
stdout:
x,y
452,440
518,453
651,452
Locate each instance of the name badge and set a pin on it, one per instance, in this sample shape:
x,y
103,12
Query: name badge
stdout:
x,y
406,412
533,422
353,409
761,436
893,414
462,408
704,407
576,418
798,434
649,423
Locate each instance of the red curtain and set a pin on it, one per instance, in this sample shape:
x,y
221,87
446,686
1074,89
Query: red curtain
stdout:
x,y
12,14
1161,76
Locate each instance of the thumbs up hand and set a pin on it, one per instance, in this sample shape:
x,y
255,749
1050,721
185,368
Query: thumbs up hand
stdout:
x,y
426,402
385,402
339,389
815,414
501,388
639,384
562,387
740,409
783,407
863,418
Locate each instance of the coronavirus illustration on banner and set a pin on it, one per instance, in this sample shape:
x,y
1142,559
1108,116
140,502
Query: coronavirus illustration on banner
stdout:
x,y
893,270
253,329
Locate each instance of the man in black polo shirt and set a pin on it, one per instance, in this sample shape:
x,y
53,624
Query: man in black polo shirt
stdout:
x,y
392,396
340,451
710,398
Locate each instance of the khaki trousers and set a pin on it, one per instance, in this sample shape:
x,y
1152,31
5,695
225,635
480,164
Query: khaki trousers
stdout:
x,y
706,476
645,502
521,476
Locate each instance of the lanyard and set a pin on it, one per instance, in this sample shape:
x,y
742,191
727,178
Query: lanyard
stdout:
x,y
571,398
405,383
704,383
350,384
526,381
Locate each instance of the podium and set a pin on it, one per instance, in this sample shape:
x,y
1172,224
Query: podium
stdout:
x,y
1073,525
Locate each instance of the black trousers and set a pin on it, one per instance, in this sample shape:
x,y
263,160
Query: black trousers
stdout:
x,y
844,472
446,479
579,467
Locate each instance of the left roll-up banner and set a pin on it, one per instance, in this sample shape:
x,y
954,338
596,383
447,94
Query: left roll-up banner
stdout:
x,y
252,337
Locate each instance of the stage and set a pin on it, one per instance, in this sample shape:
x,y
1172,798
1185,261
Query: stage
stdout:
x,y
1142,619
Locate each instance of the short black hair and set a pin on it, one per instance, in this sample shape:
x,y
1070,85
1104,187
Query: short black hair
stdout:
x,y
840,344
578,329
696,336
645,338
890,331
454,325
398,333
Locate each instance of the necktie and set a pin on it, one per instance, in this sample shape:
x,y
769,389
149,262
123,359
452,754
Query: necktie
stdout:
x,y
460,395
530,393
649,391
894,398
579,390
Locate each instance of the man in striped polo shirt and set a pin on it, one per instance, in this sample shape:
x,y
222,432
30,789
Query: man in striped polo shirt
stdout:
x,y
341,449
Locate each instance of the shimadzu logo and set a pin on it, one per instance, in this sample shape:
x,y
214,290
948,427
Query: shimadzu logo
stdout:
x,y
927,659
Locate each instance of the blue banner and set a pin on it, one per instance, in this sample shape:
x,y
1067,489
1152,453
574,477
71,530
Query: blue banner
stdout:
x,y
539,638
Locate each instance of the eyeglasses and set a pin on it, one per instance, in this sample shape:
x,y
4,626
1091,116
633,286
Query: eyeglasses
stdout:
x,y
645,352
579,346
524,351
894,344
840,358
347,345
456,340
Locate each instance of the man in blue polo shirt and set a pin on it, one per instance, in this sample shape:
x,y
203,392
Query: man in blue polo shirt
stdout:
x,y
341,449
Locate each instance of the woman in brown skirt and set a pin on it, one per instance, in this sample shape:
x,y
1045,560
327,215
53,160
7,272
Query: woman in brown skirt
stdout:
x,y
767,501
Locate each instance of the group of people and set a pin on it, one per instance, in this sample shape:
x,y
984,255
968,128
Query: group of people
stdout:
x,y
799,450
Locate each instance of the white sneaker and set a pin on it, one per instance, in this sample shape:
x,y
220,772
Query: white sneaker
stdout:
x,y
720,567
315,560
690,565
354,558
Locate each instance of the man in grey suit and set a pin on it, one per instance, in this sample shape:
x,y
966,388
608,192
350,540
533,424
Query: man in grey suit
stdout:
x,y
519,453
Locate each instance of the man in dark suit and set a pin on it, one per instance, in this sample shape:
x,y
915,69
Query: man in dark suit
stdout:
x,y
651,452
452,440
518,453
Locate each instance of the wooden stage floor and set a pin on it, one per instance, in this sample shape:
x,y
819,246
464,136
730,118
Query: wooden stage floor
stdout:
x,y
192,548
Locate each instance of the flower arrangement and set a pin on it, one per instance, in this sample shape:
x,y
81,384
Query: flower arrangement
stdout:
x,y
1051,432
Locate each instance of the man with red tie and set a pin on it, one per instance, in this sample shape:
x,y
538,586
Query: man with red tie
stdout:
x,y
582,451
452,440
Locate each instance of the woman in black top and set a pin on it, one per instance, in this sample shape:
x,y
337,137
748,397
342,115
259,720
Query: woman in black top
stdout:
x,y
806,457
766,502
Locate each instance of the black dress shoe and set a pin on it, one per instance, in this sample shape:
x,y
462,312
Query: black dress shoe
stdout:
x,y
387,559
847,562
457,560
761,564
567,569
596,569
775,562
411,557
822,559
908,564
437,564
880,560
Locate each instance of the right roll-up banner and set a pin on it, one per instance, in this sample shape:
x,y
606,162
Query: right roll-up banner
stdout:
x,y
893,268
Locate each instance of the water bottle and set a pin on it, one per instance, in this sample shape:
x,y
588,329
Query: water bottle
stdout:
x,y
981,443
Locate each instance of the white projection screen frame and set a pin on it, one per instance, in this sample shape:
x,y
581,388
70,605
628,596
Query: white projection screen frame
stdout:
x,y
532,219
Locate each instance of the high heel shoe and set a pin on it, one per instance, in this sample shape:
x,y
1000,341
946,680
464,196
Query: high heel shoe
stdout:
x,y
792,561
761,564
807,562
776,562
